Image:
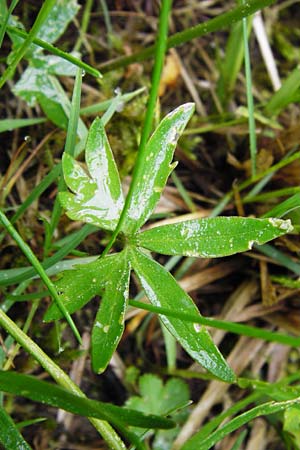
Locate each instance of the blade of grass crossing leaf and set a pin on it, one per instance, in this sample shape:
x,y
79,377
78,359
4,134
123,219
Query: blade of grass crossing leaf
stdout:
x,y
109,323
42,391
39,269
104,428
41,17
232,327
250,102
111,109
237,422
163,291
161,39
14,276
56,51
10,437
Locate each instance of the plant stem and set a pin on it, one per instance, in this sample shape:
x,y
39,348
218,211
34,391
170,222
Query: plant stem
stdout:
x,y
104,428
160,50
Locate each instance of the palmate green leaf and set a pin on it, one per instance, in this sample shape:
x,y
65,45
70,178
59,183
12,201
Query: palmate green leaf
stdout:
x,y
163,291
77,286
109,323
10,437
98,198
212,237
41,391
156,168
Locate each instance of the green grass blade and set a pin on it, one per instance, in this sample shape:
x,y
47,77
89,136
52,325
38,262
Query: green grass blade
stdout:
x,y
285,94
10,437
7,15
280,257
261,410
218,23
42,391
285,207
244,330
42,16
56,51
103,106
39,269
250,101
12,124
14,276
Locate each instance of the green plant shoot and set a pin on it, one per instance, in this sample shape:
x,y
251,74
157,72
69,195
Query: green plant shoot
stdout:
x,y
96,197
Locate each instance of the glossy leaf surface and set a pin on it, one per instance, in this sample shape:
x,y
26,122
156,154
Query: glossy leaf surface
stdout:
x,y
212,237
98,198
10,437
163,291
42,391
109,324
77,286
156,168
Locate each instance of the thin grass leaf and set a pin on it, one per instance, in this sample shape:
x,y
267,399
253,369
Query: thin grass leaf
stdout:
x,y
39,269
12,124
284,207
56,51
78,286
262,410
51,394
103,106
211,237
14,276
109,323
250,101
97,199
10,437
163,291
156,168
232,327
42,16
285,95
